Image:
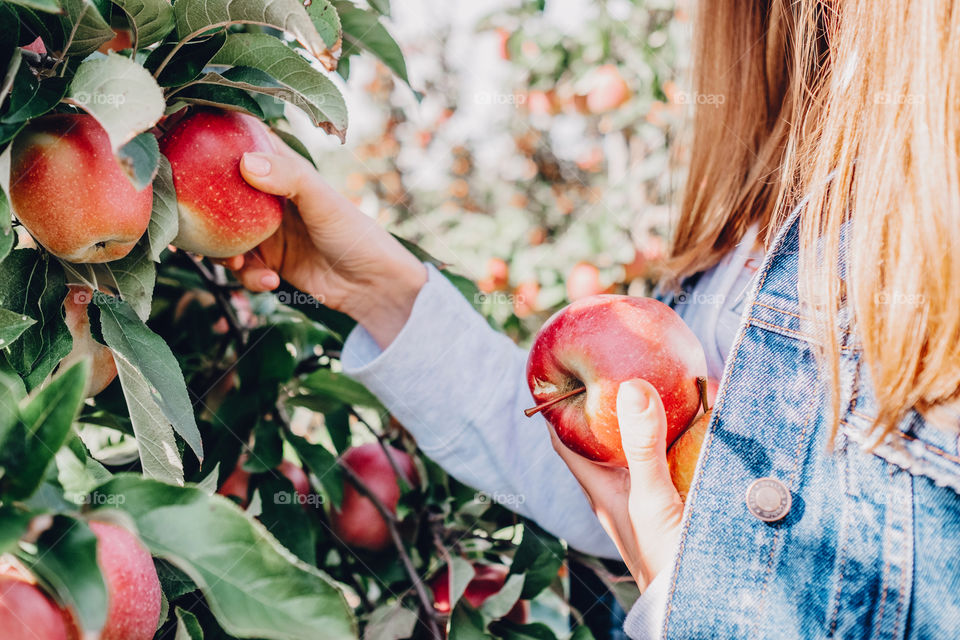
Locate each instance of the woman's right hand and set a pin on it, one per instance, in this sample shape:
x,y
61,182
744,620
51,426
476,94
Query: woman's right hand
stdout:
x,y
329,249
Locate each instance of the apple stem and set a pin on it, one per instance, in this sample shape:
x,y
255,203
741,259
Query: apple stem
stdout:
x,y
563,396
704,401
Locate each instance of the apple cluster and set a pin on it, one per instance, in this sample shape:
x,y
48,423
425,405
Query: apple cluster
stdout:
x,y
74,198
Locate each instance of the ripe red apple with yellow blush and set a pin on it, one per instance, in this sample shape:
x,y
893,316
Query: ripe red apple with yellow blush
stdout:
x,y
357,522
586,350
220,214
486,582
103,367
27,613
71,194
133,588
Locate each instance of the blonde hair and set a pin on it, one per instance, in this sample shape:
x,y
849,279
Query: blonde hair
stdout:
x,y
868,92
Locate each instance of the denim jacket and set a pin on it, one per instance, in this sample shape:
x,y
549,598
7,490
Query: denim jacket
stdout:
x,y
870,545
869,548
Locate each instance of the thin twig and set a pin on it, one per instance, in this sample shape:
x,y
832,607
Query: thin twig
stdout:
x,y
223,300
401,476
391,520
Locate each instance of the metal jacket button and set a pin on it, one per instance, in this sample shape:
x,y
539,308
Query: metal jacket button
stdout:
x,y
768,499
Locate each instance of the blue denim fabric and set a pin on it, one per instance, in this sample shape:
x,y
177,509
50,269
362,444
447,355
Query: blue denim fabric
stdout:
x,y
871,545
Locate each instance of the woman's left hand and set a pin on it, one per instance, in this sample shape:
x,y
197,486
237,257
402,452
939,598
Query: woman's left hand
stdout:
x,y
638,506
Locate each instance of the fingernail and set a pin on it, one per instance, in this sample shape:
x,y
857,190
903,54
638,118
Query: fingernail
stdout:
x,y
256,164
633,394
270,280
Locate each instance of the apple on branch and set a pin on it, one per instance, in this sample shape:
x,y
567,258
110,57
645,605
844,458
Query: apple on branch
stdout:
x,y
357,522
69,192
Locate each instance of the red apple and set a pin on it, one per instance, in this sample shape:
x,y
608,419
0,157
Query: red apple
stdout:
x,y
497,278
357,522
238,482
583,281
487,580
583,353
220,214
70,193
133,589
26,613
525,298
608,91
122,39
103,368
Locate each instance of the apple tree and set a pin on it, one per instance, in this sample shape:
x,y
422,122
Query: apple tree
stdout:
x,y
152,392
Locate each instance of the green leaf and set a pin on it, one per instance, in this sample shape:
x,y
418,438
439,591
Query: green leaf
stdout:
x,y
31,97
150,20
120,94
140,159
147,352
66,559
193,18
460,572
326,21
362,29
294,143
509,630
159,455
339,387
187,63
221,96
500,603
538,558
12,392
50,6
323,464
582,633
253,586
14,523
390,621
133,276
45,421
380,6
84,26
306,87
12,325
164,217
467,624
284,517
188,628
33,285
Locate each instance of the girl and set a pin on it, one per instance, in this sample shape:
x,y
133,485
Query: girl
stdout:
x,y
817,248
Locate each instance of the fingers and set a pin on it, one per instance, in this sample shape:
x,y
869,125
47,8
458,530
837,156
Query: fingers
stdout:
x,y
293,177
250,270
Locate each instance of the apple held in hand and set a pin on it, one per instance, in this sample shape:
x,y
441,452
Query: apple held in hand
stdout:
x,y
220,214
357,522
583,353
487,581
70,193
133,588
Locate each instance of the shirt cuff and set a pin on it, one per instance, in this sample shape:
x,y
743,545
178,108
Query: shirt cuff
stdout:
x,y
645,620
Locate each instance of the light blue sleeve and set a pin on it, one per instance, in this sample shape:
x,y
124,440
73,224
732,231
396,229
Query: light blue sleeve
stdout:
x,y
459,387
645,620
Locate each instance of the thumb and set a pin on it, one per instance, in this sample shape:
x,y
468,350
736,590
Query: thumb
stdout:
x,y
643,433
293,178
